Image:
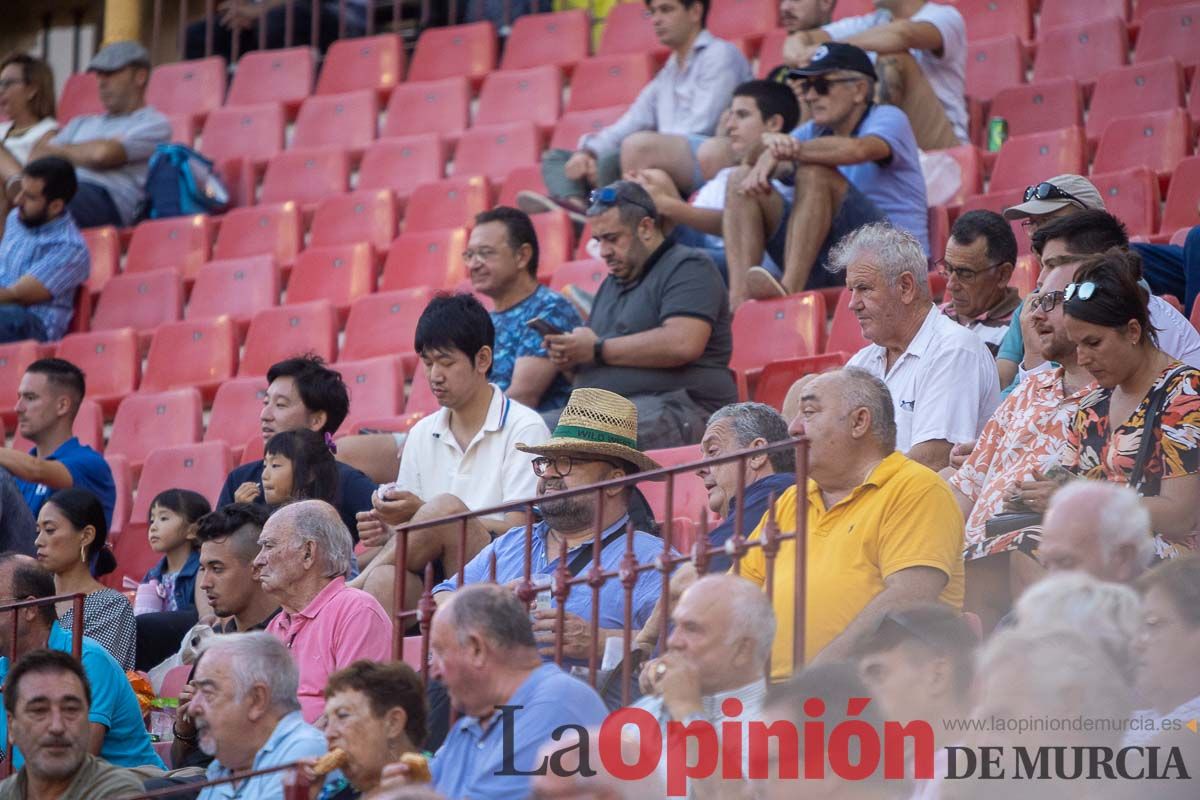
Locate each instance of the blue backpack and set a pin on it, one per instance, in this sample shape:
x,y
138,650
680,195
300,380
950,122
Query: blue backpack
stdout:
x,y
180,182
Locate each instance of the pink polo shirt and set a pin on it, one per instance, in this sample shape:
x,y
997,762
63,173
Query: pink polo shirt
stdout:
x,y
338,627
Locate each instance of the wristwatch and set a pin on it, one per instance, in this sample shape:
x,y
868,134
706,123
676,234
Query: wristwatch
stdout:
x,y
598,352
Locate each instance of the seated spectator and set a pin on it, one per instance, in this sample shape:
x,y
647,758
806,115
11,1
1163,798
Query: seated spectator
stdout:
x,y
667,125
502,260
456,460
245,21
758,107
864,497
302,564
43,258
111,151
941,376
590,445
27,100
852,163
228,540
659,332
72,544
56,738
303,393
980,256
1107,318
921,56
247,715
298,465
796,16
116,731
1098,528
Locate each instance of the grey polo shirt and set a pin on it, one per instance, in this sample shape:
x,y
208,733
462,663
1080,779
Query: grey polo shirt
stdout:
x,y
677,281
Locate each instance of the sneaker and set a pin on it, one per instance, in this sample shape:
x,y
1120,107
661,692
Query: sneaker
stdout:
x,y
762,285
532,202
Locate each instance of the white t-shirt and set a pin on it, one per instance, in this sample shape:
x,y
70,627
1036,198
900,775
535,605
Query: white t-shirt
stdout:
x,y
21,145
944,386
491,471
947,74
711,196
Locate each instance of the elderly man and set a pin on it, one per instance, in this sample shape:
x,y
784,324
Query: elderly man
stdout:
x,y
659,332
247,715
1099,528
980,257
884,532
47,699
302,564
941,377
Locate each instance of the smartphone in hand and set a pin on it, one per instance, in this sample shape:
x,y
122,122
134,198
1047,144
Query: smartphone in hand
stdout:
x,y
543,327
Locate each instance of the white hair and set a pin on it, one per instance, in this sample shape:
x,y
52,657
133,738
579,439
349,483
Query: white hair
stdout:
x,y
258,658
750,612
1120,516
893,252
318,522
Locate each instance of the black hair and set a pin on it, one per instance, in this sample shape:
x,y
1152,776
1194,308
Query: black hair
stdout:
x,y
1117,298
1088,232
31,581
633,204
320,388
229,521
772,98
38,662
519,227
63,374
57,175
454,322
184,502
82,508
1001,243
386,686
314,470
936,628
689,4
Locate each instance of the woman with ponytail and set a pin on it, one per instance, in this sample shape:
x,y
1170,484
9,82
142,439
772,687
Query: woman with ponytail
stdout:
x,y
71,544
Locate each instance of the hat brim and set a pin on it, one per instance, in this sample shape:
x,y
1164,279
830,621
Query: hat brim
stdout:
x,y
562,447
1034,208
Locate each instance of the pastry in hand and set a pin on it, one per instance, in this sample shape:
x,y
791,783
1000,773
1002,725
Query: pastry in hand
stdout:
x,y
334,759
418,767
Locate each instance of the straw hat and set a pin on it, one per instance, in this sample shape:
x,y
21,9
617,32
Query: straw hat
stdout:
x,y
596,422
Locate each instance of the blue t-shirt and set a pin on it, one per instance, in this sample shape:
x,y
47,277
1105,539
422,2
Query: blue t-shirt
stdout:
x,y
114,705
88,471
515,339
467,762
896,186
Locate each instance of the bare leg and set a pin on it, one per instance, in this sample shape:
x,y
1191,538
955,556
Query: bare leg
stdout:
x,y
747,225
904,85
381,584
1023,571
443,542
375,454
714,156
987,589
819,194
672,154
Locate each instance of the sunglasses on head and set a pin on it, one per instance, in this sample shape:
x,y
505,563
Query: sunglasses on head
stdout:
x,y
1048,191
609,196
821,85
1079,291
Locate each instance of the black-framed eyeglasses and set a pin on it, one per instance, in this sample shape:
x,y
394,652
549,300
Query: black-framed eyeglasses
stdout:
x,y
1048,302
483,254
1048,191
610,196
1079,291
963,274
821,85
562,465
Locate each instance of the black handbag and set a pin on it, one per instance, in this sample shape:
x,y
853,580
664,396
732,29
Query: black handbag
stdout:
x,y
1012,521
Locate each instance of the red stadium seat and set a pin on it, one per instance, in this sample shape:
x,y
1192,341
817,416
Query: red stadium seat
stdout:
x,y
183,129
496,150
627,29
449,203
253,132
778,376
994,64
521,95
376,385
521,179
743,19
574,124
939,231
845,334
1193,103
104,246
1142,8
340,273
1182,209
852,8
558,39
237,287
1137,89
425,258
384,324
142,301
1170,33
147,421
766,330
607,81
1059,13
770,53
1082,51
1132,196
192,354
184,243
1038,107
273,76
971,169
235,409
80,96
1157,141
15,357
366,215
586,274
279,333
998,201
193,88
110,360
262,230
1025,274
306,176
402,164
989,19
554,235
123,483
442,107
1027,159
458,50
690,497
348,120
368,62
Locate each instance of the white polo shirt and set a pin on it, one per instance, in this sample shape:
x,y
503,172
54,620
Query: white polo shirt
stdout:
x,y
944,386
489,472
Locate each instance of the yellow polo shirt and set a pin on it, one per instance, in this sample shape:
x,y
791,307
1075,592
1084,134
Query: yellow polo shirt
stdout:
x,y
902,516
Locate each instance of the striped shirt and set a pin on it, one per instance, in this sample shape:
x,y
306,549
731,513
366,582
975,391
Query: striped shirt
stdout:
x,y
55,254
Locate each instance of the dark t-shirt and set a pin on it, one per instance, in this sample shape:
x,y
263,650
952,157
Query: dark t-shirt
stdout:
x,y
354,490
678,281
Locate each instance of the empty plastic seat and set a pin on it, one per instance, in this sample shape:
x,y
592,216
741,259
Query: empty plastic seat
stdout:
x,y
15,357
1132,196
521,179
1057,13
193,88
555,235
1045,106
520,95
764,330
237,287
1137,89
627,29
376,385
496,150
689,496
1182,209
146,421
110,360
253,132
574,124
384,324
80,96
998,201
442,107
1027,159
201,467
340,273
123,484
104,247
235,409
367,215
742,19
183,129
1170,32
994,64
558,39
970,170
1157,141
448,203
425,258
1082,51
269,230
402,164
586,274
845,333
607,81
989,19
778,376
273,76
457,50
1143,8
184,243
143,300
367,62
348,120
306,176
192,354
279,333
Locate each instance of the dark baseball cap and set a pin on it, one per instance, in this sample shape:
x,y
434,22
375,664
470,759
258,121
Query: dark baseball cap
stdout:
x,y
833,56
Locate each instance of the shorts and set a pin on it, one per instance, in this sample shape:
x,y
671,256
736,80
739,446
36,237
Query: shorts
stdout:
x,y
694,142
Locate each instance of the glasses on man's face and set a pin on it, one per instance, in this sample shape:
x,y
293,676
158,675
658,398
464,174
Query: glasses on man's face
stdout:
x,y
1048,191
1079,291
562,465
609,196
1048,302
484,254
821,85
962,274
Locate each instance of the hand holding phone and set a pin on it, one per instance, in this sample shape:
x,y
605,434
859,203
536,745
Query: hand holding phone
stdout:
x,y
543,327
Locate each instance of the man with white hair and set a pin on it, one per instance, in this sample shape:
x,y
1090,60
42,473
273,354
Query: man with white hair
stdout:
x,y
247,714
327,625
942,377
1099,528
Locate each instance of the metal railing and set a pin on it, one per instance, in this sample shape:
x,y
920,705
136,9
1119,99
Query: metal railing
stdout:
x,y
296,789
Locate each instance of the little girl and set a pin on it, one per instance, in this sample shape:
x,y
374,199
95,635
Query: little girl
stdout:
x,y
299,465
174,515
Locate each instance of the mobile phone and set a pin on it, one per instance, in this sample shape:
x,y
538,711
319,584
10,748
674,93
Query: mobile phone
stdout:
x,y
543,327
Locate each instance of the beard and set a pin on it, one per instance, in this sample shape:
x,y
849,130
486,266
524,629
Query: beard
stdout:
x,y
35,221
566,514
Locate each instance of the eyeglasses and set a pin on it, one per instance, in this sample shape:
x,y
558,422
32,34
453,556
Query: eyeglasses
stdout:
x,y
963,274
610,196
1047,302
1081,291
820,84
483,254
1048,191
562,464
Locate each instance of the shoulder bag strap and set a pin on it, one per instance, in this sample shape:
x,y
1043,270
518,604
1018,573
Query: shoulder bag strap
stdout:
x,y
1154,409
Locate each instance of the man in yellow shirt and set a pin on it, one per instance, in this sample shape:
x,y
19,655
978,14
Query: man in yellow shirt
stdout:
x,y
884,532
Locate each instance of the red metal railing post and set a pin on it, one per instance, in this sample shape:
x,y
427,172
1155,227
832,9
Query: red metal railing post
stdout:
x,y
629,578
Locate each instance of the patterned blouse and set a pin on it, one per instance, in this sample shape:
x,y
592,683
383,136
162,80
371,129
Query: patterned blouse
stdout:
x,y
1097,450
108,618
1028,431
